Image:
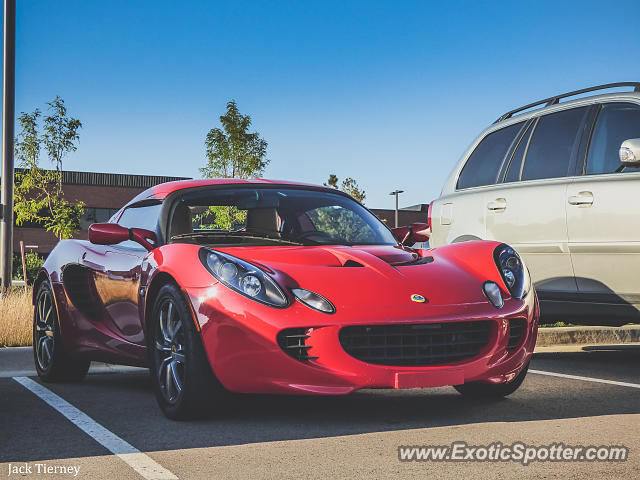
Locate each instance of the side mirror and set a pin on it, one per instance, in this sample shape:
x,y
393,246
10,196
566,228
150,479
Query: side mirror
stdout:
x,y
630,152
112,234
414,233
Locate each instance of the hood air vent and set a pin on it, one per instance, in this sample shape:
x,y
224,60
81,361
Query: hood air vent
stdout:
x,y
352,263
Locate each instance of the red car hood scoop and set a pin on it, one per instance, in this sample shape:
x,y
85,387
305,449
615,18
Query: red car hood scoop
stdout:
x,y
326,255
365,275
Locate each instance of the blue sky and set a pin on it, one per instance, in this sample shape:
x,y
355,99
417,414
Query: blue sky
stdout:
x,y
390,93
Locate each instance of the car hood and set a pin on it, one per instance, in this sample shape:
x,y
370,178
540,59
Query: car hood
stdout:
x,y
385,276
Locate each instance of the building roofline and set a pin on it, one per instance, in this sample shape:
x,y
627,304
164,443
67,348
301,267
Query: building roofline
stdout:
x,y
113,179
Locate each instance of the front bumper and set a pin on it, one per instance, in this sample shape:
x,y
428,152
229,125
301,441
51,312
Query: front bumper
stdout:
x,y
240,339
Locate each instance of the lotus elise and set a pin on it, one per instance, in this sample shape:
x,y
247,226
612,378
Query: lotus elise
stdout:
x,y
258,286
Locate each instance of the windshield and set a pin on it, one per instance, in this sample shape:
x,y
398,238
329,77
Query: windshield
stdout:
x,y
288,215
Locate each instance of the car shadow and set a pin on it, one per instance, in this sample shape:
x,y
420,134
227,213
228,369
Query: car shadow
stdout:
x,y
124,404
594,304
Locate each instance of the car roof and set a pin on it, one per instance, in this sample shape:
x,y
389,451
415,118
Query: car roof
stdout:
x,y
163,190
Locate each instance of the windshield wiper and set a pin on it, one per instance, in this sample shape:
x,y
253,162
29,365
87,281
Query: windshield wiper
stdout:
x,y
238,234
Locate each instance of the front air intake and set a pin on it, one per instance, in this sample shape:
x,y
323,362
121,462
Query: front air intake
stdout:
x,y
419,344
516,331
292,342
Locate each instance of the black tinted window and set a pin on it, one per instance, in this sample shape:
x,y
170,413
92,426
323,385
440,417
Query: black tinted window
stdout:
x,y
616,123
550,149
483,164
513,174
140,217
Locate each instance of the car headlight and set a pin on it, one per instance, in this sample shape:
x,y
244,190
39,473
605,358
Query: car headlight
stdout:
x,y
492,292
313,300
513,270
244,278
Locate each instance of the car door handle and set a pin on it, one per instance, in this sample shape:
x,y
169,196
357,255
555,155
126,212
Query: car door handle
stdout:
x,y
498,205
583,198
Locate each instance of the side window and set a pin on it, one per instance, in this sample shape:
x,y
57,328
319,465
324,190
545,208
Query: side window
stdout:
x,y
139,217
550,148
483,164
515,167
616,123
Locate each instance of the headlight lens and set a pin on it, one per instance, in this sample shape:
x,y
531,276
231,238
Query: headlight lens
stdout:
x,y
313,300
244,278
513,270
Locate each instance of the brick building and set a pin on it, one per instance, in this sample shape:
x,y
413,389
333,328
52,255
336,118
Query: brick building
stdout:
x,y
406,215
104,193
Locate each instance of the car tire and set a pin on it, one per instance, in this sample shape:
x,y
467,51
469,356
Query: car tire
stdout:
x,y
492,390
53,362
183,382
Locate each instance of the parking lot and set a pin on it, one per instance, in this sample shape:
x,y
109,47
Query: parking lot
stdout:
x,y
325,437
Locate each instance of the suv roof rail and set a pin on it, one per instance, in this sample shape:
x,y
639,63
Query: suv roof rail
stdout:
x,y
556,99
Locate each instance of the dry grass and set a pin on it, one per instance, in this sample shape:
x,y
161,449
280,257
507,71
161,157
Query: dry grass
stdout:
x,y
16,317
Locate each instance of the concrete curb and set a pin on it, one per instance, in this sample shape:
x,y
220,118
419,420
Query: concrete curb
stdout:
x,y
588,335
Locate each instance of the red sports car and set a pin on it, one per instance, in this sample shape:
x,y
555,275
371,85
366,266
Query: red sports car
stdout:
x,y
260,286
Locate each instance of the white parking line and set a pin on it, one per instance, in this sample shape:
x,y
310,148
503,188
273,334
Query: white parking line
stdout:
x,y
141,463
586,379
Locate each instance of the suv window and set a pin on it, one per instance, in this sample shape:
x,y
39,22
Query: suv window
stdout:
x,y
513,174
485,161
552,143
616,123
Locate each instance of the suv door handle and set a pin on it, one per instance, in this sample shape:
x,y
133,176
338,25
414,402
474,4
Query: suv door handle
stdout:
x,y
498,205
583,198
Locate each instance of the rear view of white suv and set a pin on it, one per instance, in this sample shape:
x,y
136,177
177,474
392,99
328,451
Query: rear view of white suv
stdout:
x,y
551,183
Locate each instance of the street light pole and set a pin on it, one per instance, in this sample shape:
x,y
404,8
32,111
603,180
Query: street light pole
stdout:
x,y
8,116
396,192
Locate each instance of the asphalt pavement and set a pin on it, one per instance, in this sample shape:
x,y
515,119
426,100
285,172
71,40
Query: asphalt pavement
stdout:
x,y
355,436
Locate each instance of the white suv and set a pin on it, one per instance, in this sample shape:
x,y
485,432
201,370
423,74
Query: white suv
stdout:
x,y
551,183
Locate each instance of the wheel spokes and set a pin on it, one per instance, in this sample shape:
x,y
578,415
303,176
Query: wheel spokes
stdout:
x,y
163,366
47,348
169,351
168,382
163,347
175,377
44,326
178,357
39,347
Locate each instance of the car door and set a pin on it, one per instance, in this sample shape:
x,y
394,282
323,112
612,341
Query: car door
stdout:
x,y
117,272
528,211
602,211
460,216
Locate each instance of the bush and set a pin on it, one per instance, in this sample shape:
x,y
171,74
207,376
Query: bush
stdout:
x,y
34,263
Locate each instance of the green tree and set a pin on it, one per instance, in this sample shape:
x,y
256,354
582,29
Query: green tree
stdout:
x,y
332,182
33,262
349,186
60,134
38,193
232,151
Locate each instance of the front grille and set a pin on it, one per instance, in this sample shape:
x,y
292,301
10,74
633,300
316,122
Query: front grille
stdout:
x,y
516,331
292,341
415,344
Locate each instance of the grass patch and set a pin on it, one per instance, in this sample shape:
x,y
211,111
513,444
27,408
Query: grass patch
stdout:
x,y
16,318
557,324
